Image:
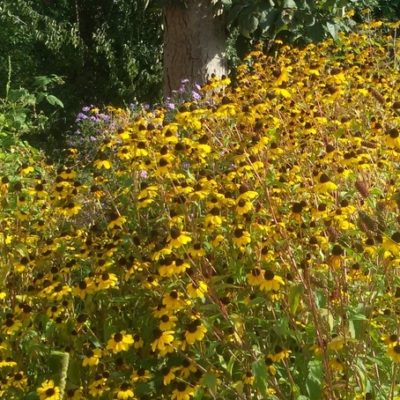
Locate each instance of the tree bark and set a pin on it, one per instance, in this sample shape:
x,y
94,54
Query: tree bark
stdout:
x,y
194,43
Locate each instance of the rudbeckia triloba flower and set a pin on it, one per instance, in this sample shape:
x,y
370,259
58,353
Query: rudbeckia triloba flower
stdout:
x,y
393,351
182,391
197,289
92,357
162,339
124,392
120,341
48,391
248,378
178,238
195,331
241,237
271,281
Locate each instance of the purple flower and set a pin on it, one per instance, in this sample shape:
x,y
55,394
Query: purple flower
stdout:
x,y
81,117
170,106
195,95
85,109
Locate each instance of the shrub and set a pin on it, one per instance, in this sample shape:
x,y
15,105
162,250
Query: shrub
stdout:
x,y
248,248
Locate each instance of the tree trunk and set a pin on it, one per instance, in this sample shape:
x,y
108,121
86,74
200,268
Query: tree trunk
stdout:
x,y
194,43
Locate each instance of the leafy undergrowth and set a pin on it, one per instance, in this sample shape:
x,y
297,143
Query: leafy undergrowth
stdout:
x,y
243,246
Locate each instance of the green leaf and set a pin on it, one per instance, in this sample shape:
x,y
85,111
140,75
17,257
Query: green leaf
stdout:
x,y
331,28
295,294
259,370
289,4
314,379
248,25
210,381
54,101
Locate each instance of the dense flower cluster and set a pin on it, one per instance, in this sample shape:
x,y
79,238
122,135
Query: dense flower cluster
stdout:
x,y
249,248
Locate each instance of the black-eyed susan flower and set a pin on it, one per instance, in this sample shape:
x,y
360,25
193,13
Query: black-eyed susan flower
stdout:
x,y
271,281
280,354
197,289
92,357
74,394
196,251
173,301
19,380
392,244
325,185
98,387
337,365
102,161
248,378
11,325
269,362
48,391
124,392
183,391
167,322
241,237
255,277
188,368
393,351
106,280
195,331
336,259
140,375
120,341
169,374
177,238
116,221
162,339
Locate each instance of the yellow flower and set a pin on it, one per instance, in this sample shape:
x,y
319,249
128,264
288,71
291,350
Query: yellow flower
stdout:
x,y
392,244
243,206
196,251
120,341
74,394
195,331
141,375
280,354
92,357
255,277
48,391
271,281
169,374
241,237
178,238
124,392
336,365
173,300
248,378
162,339
106,280
182,392
393,351
116,221
325,185
102,162
167,322
197,289
188,367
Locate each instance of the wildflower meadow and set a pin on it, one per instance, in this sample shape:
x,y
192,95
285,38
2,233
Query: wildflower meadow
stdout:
x,y
242,243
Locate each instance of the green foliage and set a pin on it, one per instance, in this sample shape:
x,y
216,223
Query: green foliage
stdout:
x,y
20,112
299,21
